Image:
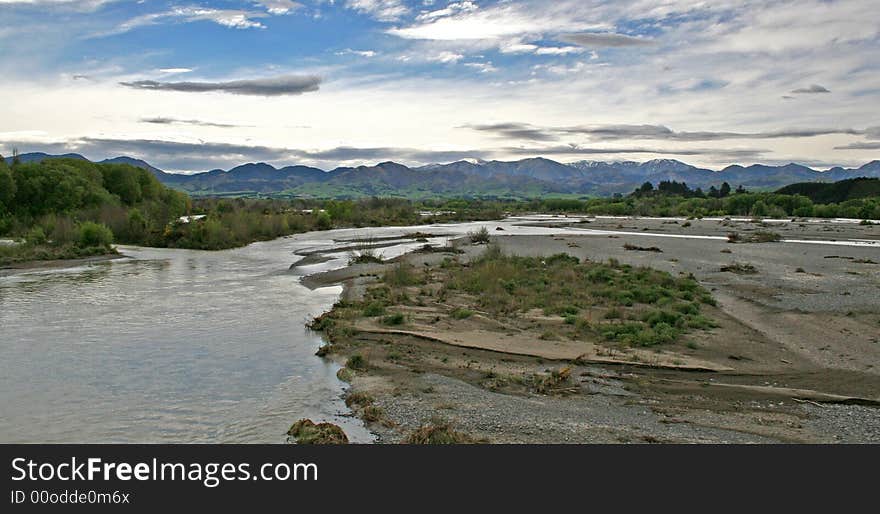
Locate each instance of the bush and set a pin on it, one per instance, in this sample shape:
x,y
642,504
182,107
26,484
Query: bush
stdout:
x,y
356,362
36,236
94,234
481,236
374,309
394,319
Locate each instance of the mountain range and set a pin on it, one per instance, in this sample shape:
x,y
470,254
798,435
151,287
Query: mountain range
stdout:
x,y
525,178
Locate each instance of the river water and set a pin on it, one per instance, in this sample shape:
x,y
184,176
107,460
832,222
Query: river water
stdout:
x,y
180,345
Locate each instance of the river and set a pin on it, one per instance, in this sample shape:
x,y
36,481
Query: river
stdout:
x,y
183,346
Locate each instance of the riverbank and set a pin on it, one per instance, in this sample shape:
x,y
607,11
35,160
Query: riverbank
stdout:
x,y
794,358
32,265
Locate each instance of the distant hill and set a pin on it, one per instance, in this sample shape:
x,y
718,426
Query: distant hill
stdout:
x,y
40,156
527,178
837,192
137,163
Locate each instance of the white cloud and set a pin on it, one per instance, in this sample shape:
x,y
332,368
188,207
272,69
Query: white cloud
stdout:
x,y
382,10
279,6
482,67
446,57
362,53
236,19
449,10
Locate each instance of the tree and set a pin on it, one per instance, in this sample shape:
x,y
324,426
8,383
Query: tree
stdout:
x,y
725,190
7,187
16,160
713,192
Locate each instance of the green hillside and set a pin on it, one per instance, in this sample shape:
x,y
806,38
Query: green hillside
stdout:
x,y
837,192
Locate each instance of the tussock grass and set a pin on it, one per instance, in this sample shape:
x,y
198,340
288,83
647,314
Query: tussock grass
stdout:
x,y
740,268
439,432
305,431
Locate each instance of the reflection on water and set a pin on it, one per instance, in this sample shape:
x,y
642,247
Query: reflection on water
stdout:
x,y
179,345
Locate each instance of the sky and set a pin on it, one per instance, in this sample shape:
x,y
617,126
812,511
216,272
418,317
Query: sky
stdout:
x,y
190,86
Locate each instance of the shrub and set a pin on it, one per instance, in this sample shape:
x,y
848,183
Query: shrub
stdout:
x,y
36,236
481,236
394,319
94,234
374,309
356,362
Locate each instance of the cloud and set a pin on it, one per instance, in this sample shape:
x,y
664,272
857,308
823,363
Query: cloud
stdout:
x,y
813,89
862,145
647,132
604,40
362,53
558,50
279,6
501,22
449,10
176,155
516,131
175,121
175,70
382,10
274,86
446,57
79,5
232,18
482,67
737,154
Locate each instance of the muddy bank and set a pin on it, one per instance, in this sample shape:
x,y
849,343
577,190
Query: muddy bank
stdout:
x,y
794,354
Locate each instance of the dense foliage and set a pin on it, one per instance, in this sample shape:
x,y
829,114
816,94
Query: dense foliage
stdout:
x,y
67,208
676,199
837,192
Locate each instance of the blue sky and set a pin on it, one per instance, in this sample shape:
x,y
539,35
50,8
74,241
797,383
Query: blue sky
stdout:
x,y
190,86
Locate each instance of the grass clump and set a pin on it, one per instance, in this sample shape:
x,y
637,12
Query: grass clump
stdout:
x,y
438,432
634,248
374,309
357,362
401,275
559,381
395,319
461,313
359,399
305,431
740,268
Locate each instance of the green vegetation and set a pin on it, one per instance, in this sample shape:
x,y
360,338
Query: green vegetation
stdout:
x,y
357,362
852,198
68,208
461,313
641,306
836,192
480,236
